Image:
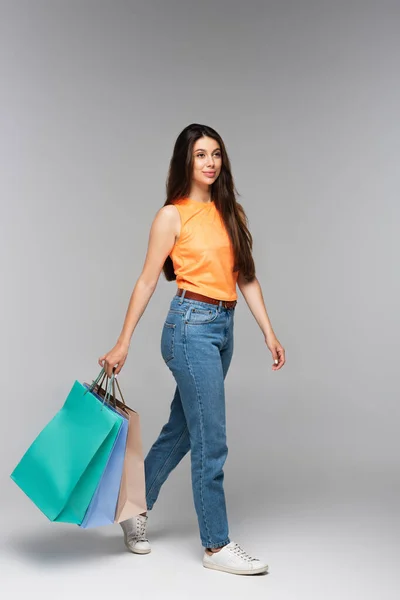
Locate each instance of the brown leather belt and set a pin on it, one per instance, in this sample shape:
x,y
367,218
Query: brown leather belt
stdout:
x,y
196,296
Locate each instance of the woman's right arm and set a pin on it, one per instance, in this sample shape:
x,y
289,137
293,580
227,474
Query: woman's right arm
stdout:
x,y
163,232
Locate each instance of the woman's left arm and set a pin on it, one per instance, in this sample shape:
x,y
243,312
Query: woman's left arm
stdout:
x,y
252,293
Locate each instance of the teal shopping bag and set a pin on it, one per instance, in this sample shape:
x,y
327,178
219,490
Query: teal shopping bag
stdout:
x,y
61,469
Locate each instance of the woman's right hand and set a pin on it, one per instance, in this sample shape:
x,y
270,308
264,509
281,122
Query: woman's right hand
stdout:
x,y
114,358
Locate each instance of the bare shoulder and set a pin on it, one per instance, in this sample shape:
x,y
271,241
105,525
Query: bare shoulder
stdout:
x,y
170,211
168,216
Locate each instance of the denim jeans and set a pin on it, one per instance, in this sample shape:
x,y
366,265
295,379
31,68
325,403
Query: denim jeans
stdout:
x,y
197,346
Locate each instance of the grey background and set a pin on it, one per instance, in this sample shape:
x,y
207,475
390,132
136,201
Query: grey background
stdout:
x,y
306,95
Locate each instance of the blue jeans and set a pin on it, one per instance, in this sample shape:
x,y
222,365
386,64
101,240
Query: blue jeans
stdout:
x,y
197,346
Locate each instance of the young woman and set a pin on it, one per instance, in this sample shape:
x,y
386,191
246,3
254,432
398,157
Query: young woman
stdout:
x,y
199,238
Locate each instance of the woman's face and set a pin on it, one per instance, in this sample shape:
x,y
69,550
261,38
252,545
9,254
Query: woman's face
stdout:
x,y
207,161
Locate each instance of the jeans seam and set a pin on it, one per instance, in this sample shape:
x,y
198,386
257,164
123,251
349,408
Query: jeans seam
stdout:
x,y
201,438
166,460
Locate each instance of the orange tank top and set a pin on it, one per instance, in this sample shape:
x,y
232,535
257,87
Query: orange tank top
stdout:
x,y
203,255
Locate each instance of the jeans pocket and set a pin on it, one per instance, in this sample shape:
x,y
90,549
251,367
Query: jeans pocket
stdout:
x,y
168,341
198,316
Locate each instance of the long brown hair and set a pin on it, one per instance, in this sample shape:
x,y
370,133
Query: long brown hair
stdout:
x,y
223,193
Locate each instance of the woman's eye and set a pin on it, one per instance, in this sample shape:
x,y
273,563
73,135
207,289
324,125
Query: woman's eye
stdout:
x,y
202,154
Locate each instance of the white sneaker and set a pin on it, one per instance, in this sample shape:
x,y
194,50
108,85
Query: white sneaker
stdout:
x,y
135,534
233,559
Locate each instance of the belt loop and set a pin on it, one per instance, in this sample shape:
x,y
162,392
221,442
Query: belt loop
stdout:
x,y
182,296
219,305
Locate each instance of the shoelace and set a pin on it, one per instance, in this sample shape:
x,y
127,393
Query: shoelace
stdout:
x,y
140,531
241,553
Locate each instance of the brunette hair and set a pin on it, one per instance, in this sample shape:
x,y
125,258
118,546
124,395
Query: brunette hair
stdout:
x,y
223,193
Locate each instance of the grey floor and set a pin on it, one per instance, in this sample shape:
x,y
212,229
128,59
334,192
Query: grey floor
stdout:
x,y
324,543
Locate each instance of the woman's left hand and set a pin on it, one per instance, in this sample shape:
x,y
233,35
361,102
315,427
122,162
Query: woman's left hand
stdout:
x,y
277,351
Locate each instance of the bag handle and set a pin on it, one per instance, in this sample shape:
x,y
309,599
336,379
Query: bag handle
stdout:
x,y
115,380
94,381
110,383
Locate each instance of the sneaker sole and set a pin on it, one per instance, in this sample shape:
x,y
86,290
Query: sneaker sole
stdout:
x,y
135,551
236,571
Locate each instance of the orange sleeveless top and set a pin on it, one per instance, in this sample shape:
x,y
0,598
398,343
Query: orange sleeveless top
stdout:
x,y
203,256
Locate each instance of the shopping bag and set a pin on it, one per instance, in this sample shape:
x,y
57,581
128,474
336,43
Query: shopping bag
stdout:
x,y
132,493
61,469
101,510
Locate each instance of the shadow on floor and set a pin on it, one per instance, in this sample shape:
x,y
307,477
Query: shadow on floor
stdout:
x,y
70,545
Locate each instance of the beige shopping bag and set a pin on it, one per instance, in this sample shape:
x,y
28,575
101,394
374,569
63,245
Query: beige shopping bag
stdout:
x,y
132,493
